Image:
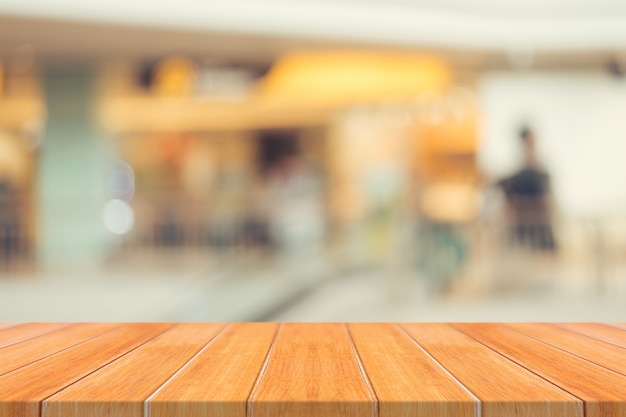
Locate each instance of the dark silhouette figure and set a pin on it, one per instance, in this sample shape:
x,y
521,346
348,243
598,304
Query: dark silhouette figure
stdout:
x,y
528,196
10,224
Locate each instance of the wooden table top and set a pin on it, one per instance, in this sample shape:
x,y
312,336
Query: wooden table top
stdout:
x,y
297,370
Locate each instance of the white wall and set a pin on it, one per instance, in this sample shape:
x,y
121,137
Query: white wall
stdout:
x,y
580,121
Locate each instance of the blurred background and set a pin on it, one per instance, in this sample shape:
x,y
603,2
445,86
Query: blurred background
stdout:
x,y
313,160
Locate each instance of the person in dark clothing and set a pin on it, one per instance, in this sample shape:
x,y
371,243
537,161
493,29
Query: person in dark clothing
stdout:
x,y
528,196
10,224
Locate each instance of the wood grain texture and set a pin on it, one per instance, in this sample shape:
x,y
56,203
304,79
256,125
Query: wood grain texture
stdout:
x,y
601,353
318,370
503,387
218,381
16,334
313,371
25,388
609,334
408,382
602,390
120,388
7,325
20,354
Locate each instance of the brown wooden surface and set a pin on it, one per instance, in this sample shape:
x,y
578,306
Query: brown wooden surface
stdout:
x,y
7,325
297,370
604,354
24,389
218,382
125,383
507,389
406,380
21,354
606,333
313,370
16,334
602,390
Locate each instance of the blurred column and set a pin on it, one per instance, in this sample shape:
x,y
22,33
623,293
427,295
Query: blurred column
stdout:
x,y
71,172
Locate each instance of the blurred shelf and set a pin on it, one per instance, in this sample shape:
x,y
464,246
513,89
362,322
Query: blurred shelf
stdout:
x,y
156,115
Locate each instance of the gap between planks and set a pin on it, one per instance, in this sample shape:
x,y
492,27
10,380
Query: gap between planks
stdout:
x,y
529,370
580,335
366,379
477,402
104,365
146,403
259,378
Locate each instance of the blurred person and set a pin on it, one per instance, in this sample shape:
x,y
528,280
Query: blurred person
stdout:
x,y
10,224
169,230
256,227
226,212
528,200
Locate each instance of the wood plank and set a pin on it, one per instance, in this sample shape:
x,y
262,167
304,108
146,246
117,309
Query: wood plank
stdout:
x,y
601,353
266,369
598,331
124,384
218,381
25,388
503,387
602,390
16,334
406,380
313,371
26,352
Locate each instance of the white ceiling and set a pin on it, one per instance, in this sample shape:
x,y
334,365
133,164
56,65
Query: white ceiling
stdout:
x,y
497,25
528,7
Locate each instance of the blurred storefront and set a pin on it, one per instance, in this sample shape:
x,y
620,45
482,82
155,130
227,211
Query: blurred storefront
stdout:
x,y
365,159
338,151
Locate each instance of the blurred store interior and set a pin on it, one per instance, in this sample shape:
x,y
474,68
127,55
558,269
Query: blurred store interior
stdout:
x,y
398,160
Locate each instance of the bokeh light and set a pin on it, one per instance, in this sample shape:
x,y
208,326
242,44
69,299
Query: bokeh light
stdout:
x,y
118,217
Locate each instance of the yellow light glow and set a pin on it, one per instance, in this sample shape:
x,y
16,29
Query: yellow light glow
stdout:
x,y
14,159
450,202
175,76
342,77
